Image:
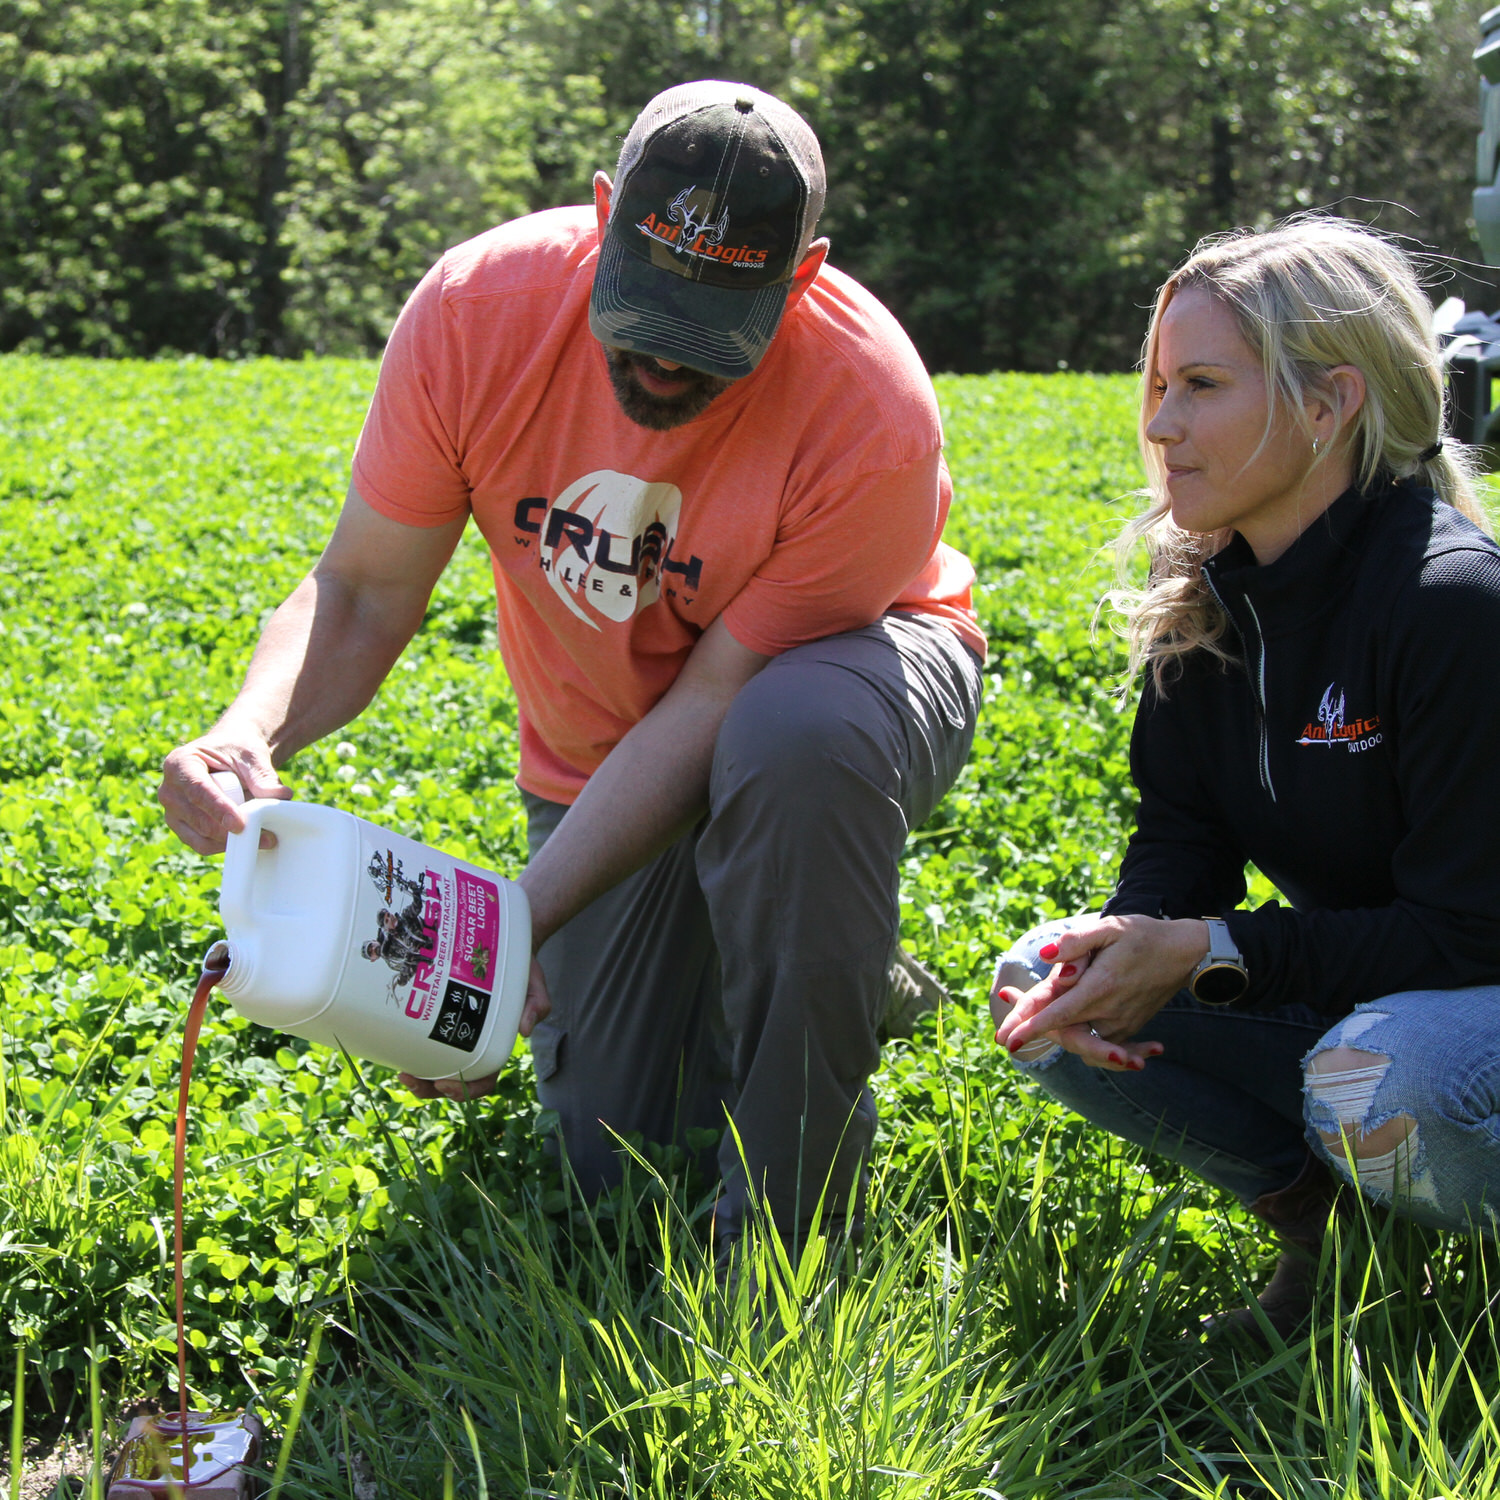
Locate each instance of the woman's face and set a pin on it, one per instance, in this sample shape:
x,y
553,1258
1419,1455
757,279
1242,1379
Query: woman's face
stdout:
x,y
1225,466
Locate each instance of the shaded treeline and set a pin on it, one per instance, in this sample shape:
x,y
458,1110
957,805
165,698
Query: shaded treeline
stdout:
x,y
1013,176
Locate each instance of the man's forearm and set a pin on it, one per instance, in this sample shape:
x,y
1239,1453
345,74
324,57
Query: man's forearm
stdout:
x,y
651,789
319,662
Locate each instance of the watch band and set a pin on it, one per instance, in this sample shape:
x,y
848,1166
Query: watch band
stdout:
x,y
1220,977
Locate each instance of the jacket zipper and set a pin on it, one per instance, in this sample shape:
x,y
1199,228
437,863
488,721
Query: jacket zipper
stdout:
x,y
1257,679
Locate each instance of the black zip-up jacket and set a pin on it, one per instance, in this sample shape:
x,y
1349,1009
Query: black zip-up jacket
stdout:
x,y
1353,756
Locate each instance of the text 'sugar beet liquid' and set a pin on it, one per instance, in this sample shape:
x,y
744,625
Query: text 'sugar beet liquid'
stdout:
x,y
355,937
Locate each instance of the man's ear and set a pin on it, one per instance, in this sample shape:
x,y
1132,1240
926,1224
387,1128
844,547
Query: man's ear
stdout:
x,y
603,187
805,274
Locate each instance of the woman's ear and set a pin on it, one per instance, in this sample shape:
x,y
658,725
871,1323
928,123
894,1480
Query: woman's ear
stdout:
x,y
1339,396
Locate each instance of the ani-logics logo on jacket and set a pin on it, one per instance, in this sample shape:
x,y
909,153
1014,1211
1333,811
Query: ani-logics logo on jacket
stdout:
x,y
1334,728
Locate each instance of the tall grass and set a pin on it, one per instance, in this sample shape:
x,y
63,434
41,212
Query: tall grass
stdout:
x,y
1040,1343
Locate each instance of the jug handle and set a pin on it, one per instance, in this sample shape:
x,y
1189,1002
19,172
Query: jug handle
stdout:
x,y
241,850
234,887
228,783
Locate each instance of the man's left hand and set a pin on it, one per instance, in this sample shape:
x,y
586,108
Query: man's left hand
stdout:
x,y
538,1007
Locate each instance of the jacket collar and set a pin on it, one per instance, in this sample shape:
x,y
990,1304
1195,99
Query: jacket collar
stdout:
x,y
1310,576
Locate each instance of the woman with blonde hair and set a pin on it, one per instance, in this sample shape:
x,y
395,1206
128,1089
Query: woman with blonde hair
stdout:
x,y
1319,636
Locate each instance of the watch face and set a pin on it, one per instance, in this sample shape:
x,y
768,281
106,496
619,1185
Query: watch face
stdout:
x,y
1220,984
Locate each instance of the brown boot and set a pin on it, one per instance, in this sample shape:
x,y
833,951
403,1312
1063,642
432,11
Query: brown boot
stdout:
x,y
1299,1215
913,992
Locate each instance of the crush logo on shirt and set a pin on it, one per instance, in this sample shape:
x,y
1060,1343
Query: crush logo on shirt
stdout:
x,y
606,545
1333,729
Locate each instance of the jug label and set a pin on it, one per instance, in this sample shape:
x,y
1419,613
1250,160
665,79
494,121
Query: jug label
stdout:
x,y
437,930
460,1018
478,933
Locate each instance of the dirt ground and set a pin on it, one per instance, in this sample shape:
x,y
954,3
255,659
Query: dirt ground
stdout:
x,y
55,1469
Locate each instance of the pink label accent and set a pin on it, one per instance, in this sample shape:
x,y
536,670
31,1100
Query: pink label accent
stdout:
x,y
476,934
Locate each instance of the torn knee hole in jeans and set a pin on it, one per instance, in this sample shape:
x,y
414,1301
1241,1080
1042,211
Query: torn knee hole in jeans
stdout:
x,y
1341,1083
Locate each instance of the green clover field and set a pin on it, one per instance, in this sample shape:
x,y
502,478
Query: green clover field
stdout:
x,y
410,1293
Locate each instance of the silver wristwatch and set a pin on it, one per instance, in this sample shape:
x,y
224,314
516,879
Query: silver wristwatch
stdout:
x,y
1220,977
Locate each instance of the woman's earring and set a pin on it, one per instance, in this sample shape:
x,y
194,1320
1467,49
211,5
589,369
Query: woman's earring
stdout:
x,y
1317,446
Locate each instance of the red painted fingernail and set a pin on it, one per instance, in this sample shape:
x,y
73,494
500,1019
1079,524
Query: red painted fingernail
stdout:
x,y
1068,970
1137,1064
1048,951
1117,1058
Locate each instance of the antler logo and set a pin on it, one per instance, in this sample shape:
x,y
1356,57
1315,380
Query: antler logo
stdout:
x,y
681,212
1332,725
1330,713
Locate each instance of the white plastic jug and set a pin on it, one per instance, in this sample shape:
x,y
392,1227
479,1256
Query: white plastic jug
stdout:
x,y
351,936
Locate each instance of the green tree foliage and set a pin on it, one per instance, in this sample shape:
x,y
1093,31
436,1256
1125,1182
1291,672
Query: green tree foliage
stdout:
x,y
1229,112
417,126
1012,176
635,48
233,176
963,183
1016,177
132,174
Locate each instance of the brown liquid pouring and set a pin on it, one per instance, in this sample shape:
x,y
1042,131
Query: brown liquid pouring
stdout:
x,y
215,966
157,1456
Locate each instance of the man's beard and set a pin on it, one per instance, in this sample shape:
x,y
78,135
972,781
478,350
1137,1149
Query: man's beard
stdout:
x,y
660,413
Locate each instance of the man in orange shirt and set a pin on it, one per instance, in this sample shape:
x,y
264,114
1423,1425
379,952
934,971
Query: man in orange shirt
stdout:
x,y
709,470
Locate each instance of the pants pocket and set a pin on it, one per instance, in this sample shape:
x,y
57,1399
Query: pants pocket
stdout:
x,y
546,1049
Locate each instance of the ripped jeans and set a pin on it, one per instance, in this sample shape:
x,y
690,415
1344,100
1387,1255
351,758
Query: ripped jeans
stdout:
x,y
1408,1085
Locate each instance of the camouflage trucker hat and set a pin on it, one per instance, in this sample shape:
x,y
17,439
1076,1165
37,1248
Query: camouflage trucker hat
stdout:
x,y
716,199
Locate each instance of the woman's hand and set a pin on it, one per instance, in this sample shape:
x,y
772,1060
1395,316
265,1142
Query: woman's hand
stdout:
x,y
1134,966
1081,1040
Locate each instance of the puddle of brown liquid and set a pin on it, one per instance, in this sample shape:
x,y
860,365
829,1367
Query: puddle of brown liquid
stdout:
x,y
157,1460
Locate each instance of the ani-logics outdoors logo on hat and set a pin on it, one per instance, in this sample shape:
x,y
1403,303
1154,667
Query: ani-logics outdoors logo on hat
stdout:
x,y
688,234
716,200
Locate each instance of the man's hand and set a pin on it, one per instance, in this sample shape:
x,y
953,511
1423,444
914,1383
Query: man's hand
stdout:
x,y
1135,965
538,1007
197,810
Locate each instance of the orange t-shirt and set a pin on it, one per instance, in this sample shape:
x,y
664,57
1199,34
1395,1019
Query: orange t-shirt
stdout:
x,y
806,500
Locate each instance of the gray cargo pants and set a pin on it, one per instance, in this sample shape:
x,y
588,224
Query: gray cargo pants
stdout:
x,y
744,969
